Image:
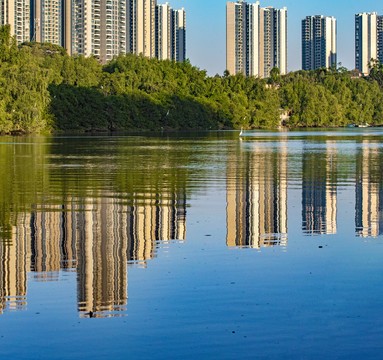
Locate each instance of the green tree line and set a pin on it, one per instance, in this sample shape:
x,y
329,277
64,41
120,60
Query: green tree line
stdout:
x,y
44,89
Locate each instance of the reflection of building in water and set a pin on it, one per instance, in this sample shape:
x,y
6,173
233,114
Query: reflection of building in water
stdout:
x,y
46,236
102,261
14,263
257,198
319,192
152,220
102,258
369,194
96,237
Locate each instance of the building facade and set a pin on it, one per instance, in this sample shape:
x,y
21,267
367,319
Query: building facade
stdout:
x,y
368,40
163,32
96,28
319,42
256,39
275,43
141,15
170,33
47,21
179,35
16,13
103,28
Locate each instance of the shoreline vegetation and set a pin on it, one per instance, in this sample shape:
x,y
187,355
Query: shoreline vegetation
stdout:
x,y
45,90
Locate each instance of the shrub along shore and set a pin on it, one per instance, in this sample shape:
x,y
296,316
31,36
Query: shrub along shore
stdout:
x,y
44,89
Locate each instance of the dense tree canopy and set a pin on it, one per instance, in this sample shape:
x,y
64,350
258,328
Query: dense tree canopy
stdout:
x,y
42,88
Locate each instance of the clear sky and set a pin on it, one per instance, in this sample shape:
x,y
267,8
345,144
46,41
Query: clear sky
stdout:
x,y
206,28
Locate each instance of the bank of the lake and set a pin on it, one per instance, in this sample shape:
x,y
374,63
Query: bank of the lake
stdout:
x,y
45,90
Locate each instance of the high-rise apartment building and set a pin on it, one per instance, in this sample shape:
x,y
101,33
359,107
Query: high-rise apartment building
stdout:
x,y
318,42
47,21
368,40
275,39
17,14
379,29
170,33
141,27
256,39
179,35
104,28
163,31
97,27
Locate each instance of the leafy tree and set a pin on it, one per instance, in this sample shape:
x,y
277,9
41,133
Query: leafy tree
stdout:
x,y
42,88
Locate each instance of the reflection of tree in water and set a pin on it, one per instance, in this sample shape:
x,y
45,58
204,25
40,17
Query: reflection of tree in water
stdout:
x,y
48,229
93,209
257,198
23,178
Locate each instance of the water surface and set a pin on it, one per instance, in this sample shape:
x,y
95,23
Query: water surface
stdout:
x,y
192,245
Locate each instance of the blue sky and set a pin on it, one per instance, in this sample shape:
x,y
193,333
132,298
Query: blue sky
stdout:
x,y
206,28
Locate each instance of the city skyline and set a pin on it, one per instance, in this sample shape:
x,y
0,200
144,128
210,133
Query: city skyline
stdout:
x,y
206,24
102,29
207,29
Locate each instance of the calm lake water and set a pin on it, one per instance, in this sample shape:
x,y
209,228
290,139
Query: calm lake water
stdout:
x,y
175,246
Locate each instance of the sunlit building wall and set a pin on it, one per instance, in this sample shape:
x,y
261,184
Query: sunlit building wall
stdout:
x,y
256,39
318,42
275,40
98,28
84,28
104,29
47,21
170,33
17,14
179,35
164,32
141,27
368,32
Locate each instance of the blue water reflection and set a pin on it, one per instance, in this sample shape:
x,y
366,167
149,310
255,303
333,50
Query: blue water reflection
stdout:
x,y
210,246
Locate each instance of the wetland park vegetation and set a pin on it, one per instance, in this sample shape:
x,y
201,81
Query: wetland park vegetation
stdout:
x,y
44,89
